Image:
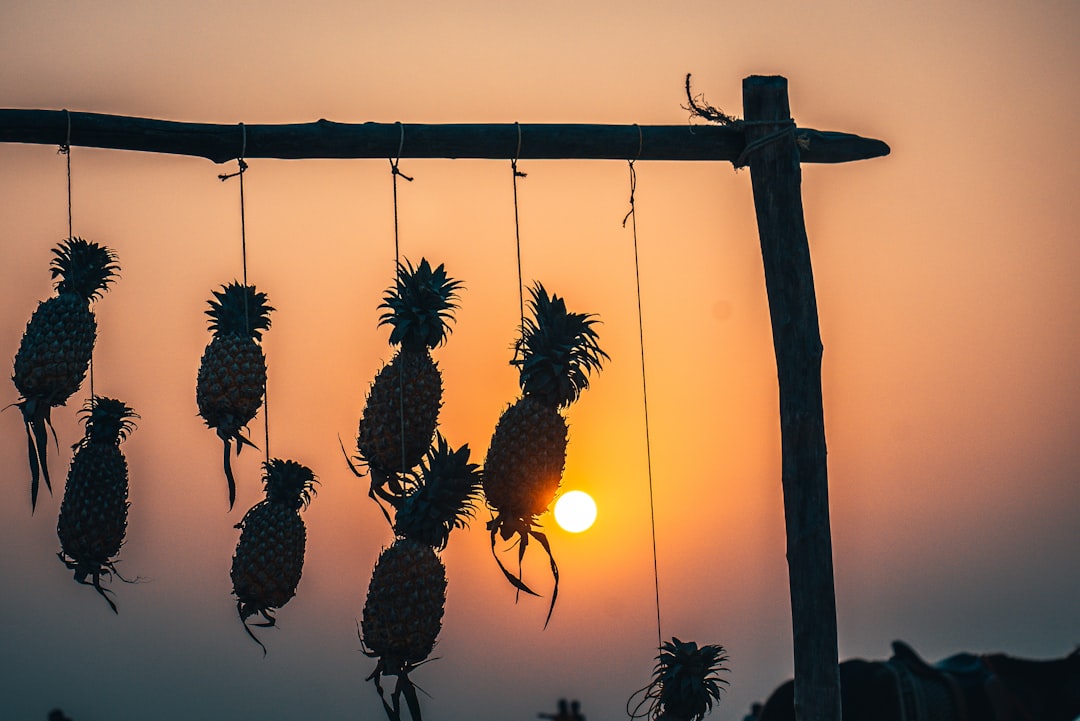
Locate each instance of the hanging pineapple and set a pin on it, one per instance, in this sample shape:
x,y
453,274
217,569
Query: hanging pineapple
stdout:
x,y
93,514
404,607
402,407
685,683
55,350
232,373
270,554
556,353
402,618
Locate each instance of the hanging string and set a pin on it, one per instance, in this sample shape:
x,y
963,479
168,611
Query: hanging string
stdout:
x,y
394,173
65,150
243,215
517,230
242,166
632,217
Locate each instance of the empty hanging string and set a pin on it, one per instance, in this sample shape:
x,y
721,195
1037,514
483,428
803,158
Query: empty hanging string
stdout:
x,y
631,215
394,173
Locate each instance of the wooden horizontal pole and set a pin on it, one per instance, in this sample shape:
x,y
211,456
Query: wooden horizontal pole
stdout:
x,y
326,139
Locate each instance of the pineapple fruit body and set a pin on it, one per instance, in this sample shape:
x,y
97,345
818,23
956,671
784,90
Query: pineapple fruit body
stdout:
x,y
525,460
55,351
405,602
409,389
231,383
93,514
269,558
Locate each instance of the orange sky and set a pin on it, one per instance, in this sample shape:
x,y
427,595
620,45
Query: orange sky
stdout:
x,y
946,291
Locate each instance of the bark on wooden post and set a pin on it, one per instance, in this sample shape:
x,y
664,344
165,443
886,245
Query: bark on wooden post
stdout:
x,y
776,176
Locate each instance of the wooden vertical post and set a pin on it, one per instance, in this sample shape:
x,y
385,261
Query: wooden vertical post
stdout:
x,y
776,177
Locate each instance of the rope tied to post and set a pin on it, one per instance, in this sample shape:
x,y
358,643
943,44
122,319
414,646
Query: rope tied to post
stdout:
x,y
784,128
700,108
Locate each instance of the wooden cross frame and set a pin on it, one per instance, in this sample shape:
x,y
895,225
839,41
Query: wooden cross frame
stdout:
x,y
767,140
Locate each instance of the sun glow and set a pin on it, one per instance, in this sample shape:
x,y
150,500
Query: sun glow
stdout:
x,y
575,511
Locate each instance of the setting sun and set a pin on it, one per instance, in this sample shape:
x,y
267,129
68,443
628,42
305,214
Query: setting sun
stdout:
x,y
575,511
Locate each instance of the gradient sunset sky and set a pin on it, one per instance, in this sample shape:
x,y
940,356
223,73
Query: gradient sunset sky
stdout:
x,y
946,286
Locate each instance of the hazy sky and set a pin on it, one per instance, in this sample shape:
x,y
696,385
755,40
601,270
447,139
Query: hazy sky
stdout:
x,y
946,287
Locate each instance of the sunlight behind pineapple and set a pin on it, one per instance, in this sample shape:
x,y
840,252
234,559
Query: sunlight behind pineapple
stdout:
x,y
575,511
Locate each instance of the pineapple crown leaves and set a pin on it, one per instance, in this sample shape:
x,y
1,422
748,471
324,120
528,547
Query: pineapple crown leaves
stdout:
x,y
288,483
108,421
444,489
688,676
685,682
239,309
557,350
83,267
420,306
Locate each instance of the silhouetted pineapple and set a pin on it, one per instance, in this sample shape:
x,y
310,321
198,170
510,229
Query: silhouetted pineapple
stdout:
x,y
232,373
402,406
270,554
405,601
403,616
55,350
93,514
556,353
685,683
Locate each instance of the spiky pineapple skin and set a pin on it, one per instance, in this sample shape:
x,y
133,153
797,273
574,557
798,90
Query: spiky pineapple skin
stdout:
x,y
269,559
405,603
93,514
231,382
411,378
525,459
55,350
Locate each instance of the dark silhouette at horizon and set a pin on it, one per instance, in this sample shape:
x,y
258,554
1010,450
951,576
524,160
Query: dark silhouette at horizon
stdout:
x,y
568,711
